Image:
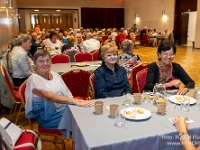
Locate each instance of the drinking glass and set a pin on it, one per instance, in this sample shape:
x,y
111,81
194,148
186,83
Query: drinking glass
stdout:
x,y
185,104
128,98
120,119
146,96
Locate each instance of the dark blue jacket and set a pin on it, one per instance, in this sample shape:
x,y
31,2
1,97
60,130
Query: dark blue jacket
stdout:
x,y
109,83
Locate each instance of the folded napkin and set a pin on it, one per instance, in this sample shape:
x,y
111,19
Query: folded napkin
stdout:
x,y
188,120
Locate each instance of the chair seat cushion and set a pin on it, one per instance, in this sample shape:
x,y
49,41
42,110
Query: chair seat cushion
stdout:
x,y
50,131
26,137
17,96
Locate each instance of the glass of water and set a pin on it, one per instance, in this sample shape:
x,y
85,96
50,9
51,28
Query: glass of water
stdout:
x,y
128,99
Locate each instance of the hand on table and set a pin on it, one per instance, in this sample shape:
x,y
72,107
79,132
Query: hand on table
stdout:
x,y
83,103
181,124
175,83
182,91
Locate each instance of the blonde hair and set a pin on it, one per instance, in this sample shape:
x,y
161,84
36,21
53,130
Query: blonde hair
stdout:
x,y
23,38
108,48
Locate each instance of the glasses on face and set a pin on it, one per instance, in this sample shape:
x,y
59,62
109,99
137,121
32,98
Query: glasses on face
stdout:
x,y
43,61
168,55
110,55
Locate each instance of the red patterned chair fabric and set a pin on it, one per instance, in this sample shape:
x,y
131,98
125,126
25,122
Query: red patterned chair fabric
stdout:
x,y
80,57
78,82
134,71
60,58
26,137
141,79
41,130
95,55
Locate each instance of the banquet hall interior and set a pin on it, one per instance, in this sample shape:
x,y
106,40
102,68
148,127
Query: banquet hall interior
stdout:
x,y
182,18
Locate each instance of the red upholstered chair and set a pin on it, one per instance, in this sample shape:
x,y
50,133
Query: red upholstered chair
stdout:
x,y
78,82
14,95
117,40
134,71
26,137
95,55
42,131
80,57
145,40
104,38
92,85
60,58
128,37
141,79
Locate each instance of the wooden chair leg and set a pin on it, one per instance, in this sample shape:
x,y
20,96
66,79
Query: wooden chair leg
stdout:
x,y
20,108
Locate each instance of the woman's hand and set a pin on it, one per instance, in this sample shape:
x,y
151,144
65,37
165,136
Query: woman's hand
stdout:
x,y
182,91
175,83
181,124
83,103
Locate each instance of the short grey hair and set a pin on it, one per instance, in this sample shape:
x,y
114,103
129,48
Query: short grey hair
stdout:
x,y
126,45
23,38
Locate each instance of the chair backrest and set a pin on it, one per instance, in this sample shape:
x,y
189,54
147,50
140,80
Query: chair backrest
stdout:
x,y
78,82
60,58
104,38
128,37
80,57
22,89
95,55
137,37
8,82
134,71
92,84
141,79
117,39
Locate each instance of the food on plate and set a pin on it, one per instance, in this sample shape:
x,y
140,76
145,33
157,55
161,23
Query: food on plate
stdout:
x,y
180,99
128,112
132,116
138,110
83,64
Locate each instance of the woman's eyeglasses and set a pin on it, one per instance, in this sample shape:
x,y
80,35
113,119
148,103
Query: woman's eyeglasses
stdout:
x,y
43,61
168,55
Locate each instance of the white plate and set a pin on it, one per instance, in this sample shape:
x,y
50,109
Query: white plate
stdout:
x,y
174,100
139,116
82,64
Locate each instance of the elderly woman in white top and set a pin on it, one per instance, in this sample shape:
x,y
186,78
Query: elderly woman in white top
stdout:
x,y
53,43
21,62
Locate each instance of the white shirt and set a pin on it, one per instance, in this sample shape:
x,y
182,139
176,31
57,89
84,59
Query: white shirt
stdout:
x,y
21,63
53,46
91,45
113,35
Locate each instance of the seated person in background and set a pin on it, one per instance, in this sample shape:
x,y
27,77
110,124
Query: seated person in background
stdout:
x,y
90,44
21,62
34,44
110,78
127,59
79,40
185,138
167,72
46,93
151,38
167,34
52,42
122,34
62,39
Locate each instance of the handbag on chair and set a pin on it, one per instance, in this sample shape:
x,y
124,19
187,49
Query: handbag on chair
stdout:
x,y
11,133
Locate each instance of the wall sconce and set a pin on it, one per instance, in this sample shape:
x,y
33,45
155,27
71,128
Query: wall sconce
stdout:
x,y
136,15
4,3
163,13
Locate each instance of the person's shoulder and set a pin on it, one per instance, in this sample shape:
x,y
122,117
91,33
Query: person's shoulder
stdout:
x,y
176,65
153,65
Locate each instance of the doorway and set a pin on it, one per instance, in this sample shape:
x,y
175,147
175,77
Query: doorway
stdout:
x,y
188,28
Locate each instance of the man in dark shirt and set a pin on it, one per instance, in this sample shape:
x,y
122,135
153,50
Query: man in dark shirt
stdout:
x,y
34,44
